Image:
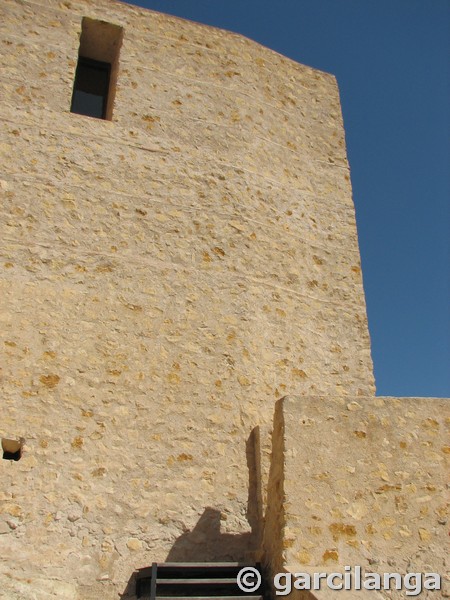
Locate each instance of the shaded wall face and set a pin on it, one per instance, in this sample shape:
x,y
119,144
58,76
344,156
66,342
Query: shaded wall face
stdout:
x,y
164,278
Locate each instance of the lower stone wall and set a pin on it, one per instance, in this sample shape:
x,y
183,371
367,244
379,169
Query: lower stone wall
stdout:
x,y
80,512
364,484
352,482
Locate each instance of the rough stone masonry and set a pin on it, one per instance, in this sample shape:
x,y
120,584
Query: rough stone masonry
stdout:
x,y
168,272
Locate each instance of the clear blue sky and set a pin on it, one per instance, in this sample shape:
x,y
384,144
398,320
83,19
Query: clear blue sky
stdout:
x,y
391,59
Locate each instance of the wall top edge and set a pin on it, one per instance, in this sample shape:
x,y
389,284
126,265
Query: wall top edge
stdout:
x,y
118,9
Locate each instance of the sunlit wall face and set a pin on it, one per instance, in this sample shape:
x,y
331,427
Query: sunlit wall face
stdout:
x,y
170,273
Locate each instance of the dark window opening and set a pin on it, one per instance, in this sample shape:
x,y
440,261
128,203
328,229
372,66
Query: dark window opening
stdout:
x,y
95,81
90,90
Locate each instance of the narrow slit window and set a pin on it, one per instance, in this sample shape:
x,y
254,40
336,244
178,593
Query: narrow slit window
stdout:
x,y
96,73
90,91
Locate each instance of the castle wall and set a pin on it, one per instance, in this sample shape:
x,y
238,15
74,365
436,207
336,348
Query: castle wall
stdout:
x,y
363,482
165,277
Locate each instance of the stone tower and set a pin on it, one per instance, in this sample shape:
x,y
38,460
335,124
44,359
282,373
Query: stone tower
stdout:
x,y
174,260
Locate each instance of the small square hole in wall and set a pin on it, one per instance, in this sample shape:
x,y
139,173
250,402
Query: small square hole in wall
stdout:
x,y
12,449
96,73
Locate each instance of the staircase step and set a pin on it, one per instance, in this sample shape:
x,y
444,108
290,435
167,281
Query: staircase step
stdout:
x,y
195,581
203,565
168,570
246,597
197,570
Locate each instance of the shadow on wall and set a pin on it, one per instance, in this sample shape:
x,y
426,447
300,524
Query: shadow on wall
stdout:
x,y
206,543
